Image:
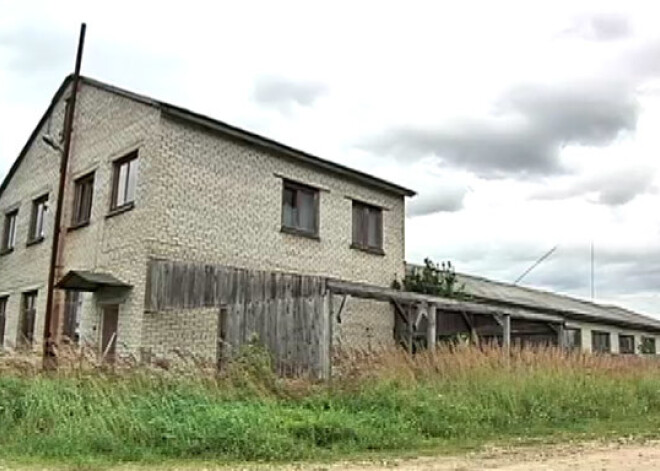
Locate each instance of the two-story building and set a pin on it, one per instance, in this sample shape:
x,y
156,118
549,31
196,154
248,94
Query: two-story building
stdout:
x,y
147,180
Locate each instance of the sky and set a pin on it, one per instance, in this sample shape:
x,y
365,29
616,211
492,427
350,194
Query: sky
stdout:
x,y
522,125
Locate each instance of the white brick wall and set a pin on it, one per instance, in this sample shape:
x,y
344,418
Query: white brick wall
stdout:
x,y
587,328
200,197
106,126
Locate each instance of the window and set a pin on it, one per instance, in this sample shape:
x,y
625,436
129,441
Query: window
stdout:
x,y
9,234
82,200
27,318
626,343
72,311
300,209
124,181
600,342
37,226
573,339
648,345
367,227
3,320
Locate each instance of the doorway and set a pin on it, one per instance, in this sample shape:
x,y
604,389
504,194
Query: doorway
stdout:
x,y
109,332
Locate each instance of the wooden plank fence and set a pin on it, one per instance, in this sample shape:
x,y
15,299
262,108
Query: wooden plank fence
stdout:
x,y
289,314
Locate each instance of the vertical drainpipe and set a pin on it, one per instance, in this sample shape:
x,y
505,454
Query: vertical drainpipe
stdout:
x,y
51,321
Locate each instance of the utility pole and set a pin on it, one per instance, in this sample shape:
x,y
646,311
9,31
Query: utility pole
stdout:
x,y
50,321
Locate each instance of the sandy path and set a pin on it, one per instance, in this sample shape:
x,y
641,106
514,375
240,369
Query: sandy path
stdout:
x,y
564,457
583,457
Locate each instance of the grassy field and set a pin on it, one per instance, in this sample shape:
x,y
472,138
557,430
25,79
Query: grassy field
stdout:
x,y
380,403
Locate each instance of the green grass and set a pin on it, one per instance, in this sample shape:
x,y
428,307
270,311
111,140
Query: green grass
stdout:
x,y
384,404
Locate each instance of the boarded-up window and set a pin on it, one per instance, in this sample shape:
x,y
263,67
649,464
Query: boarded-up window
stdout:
x,y
626,343
124,181
3,319
300,209
27,319
37,226
648,345
367,227
600,342
573,339
82,202
9,233
72,311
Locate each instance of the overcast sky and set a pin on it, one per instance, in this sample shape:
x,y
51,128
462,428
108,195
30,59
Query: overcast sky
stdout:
x,y
522,125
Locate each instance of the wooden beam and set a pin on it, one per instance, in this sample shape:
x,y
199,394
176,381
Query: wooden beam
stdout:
x,y
361,290
506,332
344,300
400,312
431,331
561,337
422,311
474,336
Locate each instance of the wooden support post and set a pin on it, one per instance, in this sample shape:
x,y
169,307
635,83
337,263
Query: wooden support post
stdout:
x,y
474,336
506,330
410,330
561,337
431,331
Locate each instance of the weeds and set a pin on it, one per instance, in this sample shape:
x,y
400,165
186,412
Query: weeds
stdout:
x,y
382,401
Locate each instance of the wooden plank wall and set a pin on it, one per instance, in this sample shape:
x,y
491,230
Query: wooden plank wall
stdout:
x,y
288,314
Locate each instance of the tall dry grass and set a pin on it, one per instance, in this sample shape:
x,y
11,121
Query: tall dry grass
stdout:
x,y
378,400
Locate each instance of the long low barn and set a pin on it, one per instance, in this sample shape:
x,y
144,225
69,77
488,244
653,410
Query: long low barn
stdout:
x,y
586,325
488,310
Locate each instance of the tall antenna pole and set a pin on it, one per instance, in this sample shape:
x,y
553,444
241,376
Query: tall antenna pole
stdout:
x,y
50,341
592,271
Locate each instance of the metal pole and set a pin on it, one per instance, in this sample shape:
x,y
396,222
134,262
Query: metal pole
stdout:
x,y
592,271
50,341
535,264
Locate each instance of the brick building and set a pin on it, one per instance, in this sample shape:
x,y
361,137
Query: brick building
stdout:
x,y
150,181
152,187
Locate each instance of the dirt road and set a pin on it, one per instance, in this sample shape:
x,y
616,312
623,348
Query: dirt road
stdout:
x,y
564,457
583,457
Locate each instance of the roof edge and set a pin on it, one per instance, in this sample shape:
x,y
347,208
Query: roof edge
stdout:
x,y
21,155
213,124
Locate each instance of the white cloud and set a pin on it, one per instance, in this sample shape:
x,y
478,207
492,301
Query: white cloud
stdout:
x,y
436,67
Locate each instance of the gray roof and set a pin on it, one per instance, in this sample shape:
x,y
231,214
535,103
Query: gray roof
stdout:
x,y
228,130
571,308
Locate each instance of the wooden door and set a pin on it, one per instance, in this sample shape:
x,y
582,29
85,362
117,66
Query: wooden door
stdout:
x,y
109,332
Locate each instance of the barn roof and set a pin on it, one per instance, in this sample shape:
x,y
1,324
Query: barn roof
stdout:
x,y
546,301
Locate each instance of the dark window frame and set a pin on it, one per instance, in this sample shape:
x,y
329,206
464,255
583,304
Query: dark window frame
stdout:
x,y
297,228
4,300
41,202
27,319
648,345
623,349
126,204
595,348
83,199
9,231
361,217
